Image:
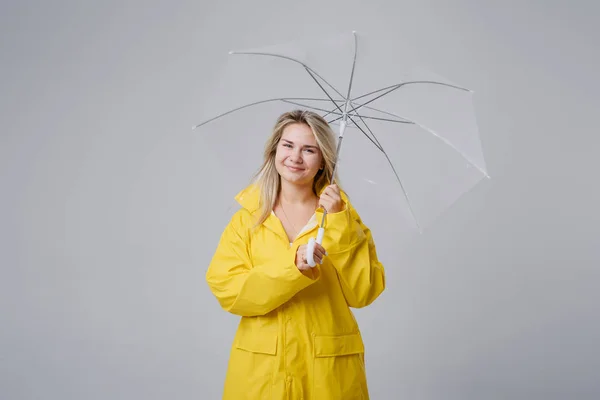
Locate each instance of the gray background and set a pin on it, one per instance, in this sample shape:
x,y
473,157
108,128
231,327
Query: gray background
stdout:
x,y
106,227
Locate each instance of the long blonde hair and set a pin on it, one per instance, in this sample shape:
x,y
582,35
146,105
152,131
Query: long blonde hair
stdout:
x,y
267,178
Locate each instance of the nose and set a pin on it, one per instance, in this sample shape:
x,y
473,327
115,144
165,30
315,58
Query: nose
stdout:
x,y
296,156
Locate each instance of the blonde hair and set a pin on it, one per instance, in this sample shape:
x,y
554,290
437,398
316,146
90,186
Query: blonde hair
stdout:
x,y
267,178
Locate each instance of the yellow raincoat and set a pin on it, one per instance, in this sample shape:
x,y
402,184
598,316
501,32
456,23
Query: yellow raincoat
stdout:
x,y
297,338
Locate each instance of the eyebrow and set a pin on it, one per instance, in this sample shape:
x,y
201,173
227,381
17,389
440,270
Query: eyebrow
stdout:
x,y
306,145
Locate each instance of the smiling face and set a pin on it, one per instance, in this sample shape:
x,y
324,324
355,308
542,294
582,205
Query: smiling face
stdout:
x,y
298,158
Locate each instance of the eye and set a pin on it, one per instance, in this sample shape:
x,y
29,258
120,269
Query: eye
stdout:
x,y
287,145
311,151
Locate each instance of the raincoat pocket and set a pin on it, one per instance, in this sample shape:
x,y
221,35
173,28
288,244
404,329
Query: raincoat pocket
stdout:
x,y
257,342
331,346
252,366
339,371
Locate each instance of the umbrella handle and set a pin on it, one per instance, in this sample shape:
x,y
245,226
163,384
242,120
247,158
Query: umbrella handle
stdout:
x,y
310,248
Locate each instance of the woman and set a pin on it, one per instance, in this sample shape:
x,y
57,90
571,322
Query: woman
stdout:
x,y
297,338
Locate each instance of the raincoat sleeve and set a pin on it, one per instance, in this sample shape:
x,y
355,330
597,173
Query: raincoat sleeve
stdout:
x,y
248,288
352,251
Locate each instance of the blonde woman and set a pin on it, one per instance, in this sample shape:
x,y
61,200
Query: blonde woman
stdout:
x,y
297,337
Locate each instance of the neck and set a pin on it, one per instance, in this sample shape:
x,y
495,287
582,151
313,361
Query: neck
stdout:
x,y
296,194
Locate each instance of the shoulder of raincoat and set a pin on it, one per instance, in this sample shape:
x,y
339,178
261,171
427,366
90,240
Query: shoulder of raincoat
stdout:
x,y
251,284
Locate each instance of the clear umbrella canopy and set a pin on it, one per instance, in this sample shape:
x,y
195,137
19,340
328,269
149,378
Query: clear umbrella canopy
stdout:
x,y
410,145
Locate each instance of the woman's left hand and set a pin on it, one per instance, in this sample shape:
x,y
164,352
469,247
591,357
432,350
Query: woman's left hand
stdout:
x,y
331,200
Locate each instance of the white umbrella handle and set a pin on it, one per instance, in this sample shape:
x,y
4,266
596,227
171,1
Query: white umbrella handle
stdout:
x,y
310,248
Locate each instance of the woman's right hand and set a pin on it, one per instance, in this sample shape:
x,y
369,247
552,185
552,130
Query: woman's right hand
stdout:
x,y
301,261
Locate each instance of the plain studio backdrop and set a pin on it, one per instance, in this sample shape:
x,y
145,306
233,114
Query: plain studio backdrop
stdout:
x,y
107,219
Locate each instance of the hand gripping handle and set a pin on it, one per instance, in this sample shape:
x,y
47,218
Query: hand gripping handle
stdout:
x,y
310,247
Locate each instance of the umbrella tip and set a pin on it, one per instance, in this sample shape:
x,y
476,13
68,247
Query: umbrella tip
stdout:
x,y
354,32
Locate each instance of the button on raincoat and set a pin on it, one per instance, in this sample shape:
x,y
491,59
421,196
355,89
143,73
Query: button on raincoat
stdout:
x,y
297,338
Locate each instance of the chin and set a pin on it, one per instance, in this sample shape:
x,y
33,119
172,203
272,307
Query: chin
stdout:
x,y
296,180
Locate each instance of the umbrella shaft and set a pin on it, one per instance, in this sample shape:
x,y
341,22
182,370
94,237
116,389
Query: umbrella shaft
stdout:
x,y
335,165
337,157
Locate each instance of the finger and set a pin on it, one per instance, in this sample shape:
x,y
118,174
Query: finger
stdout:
x,y
329,190
325,200
325,203
333,196
319,258
321,249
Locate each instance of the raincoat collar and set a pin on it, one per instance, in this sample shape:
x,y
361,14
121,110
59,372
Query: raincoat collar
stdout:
x,y
249,198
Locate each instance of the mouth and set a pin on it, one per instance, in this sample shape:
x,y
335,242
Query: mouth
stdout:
x,y
294,169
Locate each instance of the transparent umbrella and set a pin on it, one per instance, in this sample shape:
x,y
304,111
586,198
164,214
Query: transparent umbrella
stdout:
x,y
408,143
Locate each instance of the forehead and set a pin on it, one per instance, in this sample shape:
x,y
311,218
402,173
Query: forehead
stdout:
x,y
300,134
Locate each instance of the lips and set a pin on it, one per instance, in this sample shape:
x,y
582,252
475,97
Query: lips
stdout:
x,y
294,169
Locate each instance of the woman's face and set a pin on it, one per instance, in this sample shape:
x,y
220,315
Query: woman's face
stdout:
x,y
298,158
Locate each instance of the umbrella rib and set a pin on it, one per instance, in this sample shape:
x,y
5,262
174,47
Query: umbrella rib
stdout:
x,y
334,112
352,72
340,116
290,59
372,139
381,119
307,106
322,88
356,108
444,140
254,104
369,117
393,169
403,120
399,85
431,131
347,98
